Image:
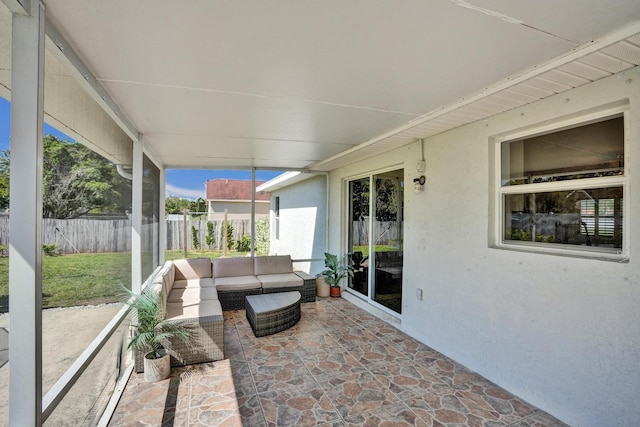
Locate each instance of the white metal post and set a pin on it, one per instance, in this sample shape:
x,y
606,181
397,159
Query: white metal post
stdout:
x,y
136,217
25,245
162,218
253,211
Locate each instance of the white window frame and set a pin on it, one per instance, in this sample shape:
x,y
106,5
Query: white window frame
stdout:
x,y
498,238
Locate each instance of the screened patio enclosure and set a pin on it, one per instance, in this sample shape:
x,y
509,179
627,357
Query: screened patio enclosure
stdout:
x,y
422,88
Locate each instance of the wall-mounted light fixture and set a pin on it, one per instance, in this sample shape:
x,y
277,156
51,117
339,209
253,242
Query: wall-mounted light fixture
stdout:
x,y
418,184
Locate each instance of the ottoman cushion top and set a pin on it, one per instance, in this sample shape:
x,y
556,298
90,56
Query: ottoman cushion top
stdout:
x,y
270,302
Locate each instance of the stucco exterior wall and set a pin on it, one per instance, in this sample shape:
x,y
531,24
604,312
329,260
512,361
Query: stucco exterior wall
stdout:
x,y
561,332
301,229
241,207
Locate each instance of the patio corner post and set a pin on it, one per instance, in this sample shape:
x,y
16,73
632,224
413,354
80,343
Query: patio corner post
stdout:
x,y
162,218
25,246
253,211
136,217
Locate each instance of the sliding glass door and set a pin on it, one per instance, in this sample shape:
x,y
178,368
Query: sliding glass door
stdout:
x,y
376,237
359,234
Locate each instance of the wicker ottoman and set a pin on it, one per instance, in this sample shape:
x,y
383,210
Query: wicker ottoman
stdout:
x,y
272,313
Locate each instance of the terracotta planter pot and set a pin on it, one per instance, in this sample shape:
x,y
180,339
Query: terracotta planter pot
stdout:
x,y
322,287
335,291
157,369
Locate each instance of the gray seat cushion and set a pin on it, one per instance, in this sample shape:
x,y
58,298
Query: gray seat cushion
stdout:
x,y
237,283
188,295
230,267
272,264
194,283
178,310
192,268
285,280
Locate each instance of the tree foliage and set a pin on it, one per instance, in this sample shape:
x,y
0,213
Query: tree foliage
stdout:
x,y
262,237
4,180
198,207
210,238
75,181
230,241
386,203
194,237
176,205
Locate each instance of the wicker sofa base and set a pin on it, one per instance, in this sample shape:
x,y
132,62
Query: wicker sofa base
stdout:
x,y
271,313
307,290
206,343
235,300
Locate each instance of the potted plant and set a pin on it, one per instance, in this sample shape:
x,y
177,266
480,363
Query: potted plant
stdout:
x,y
336,269
150,331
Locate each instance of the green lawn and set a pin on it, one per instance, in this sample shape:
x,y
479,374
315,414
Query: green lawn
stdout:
x,y
71,280
86,279
197,253
377,248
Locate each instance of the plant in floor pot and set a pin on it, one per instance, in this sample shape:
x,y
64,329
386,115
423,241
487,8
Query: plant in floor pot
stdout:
x,y
336,269
150,331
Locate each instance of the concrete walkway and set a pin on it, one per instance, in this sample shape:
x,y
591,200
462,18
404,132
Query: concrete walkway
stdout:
x,y
66,333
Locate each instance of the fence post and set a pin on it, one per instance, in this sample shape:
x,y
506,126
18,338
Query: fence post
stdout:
x,y
186,228
224,233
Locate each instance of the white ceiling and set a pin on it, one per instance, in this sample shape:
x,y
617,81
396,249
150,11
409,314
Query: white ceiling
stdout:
x,y
299,83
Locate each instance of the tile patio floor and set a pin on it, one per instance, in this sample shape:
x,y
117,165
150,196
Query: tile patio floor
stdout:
x,y
340,366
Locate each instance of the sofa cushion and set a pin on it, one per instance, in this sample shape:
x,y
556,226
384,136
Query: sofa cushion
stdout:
x,y
166,277
273,264
237,283
193,294
192,268
177,310
207,282
230,267
282,280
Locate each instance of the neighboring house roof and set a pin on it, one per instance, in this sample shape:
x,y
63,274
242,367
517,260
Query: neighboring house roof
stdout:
x,y
233,189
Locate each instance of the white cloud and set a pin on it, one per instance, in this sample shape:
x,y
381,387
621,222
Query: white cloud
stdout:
x,y
186,193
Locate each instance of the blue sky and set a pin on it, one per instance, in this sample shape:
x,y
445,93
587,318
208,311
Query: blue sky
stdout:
x,y
187,183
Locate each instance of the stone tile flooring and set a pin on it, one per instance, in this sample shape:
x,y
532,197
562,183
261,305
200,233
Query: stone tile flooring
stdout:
x,y
340,366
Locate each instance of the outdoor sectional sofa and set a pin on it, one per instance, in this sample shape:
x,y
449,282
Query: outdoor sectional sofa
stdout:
x,y
235,278
195,291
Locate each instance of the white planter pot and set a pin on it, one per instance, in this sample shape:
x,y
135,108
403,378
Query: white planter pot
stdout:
x,y
157,369
322,287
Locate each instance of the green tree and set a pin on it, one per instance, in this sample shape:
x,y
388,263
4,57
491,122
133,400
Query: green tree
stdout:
x,y
262,237
244,244
210,238
4,180
198,207
194,237
75,181
176,205
230,241
386,203
360,199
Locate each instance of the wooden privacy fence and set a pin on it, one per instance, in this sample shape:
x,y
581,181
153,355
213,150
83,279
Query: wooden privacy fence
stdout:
x,y
175,232
88,235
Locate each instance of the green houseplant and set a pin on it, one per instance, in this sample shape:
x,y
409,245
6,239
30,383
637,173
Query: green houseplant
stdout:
x,y
336,269
150,331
